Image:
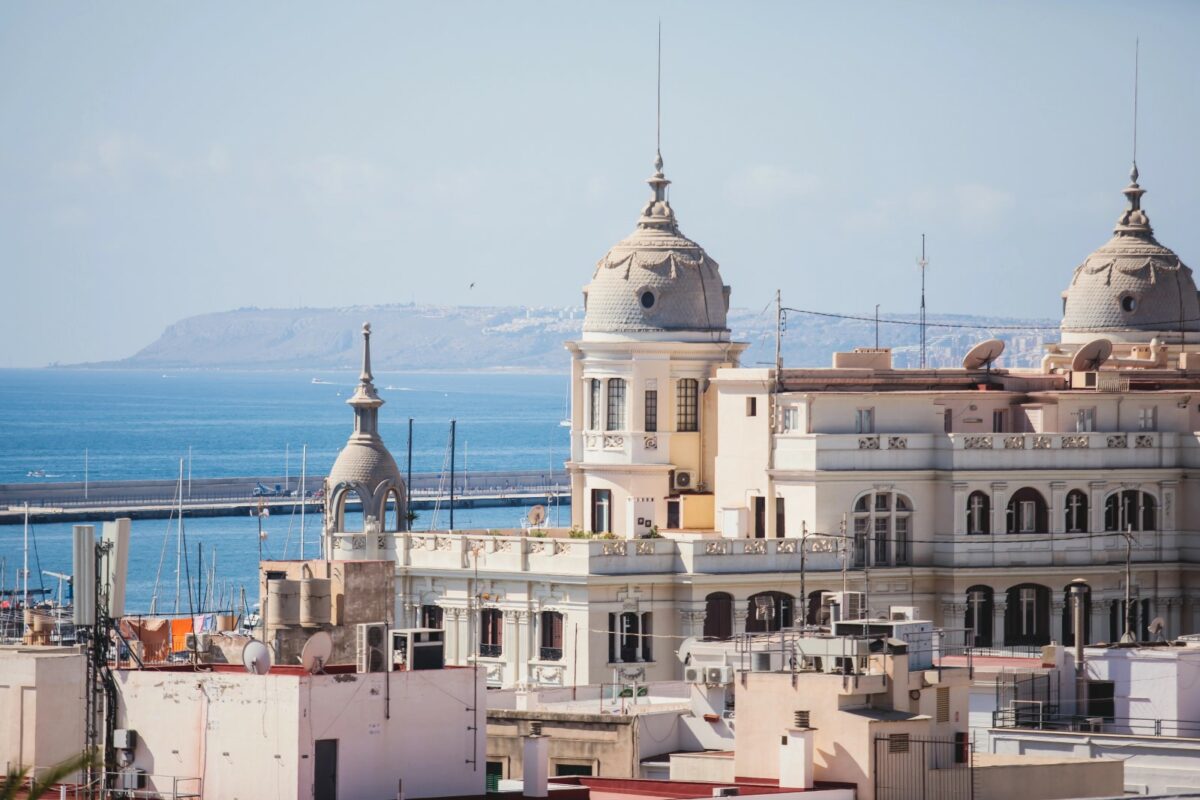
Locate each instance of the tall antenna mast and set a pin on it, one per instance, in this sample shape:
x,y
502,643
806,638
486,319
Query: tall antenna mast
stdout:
x,y
1136,59
923,263
658,99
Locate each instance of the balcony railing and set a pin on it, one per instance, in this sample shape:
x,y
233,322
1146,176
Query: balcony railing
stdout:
x,y
487,650
1030,717
550,654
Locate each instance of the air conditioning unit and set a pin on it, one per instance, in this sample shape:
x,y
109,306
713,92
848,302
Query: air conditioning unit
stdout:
x,y
133,779
418,648
371,647
124,739
196,641
693,674
851,605
901,613
718,676
685,480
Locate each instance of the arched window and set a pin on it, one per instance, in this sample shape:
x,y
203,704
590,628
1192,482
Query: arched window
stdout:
x,y
718,616
1130,510
768,611
883,529
980,608
1076,512
1027,512
1027,615
687,396
399,510
551,623
431,616
979,513
1068,616
341,498
614,419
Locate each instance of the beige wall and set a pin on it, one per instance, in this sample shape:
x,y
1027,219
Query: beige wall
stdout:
x,y
998,777
41,705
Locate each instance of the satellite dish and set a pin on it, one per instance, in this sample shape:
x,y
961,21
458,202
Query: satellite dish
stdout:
x,y
1089,357
1156,628
983,354
536,515
256,657
316,652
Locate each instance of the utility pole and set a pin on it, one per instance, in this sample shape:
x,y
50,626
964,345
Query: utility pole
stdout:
x,y
1128,636
772,502
923,263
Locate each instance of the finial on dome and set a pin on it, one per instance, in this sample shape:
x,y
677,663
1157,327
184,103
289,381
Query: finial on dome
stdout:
x,y
366,376
1134,221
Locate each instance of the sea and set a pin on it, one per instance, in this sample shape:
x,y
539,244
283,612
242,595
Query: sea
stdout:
x,y
133,424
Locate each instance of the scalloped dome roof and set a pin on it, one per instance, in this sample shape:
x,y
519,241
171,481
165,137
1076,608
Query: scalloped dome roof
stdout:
x,y
1132,287
365,460
656,280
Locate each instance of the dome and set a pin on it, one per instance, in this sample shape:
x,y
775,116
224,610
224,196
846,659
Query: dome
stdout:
x,y
656,281
367,464
1132,288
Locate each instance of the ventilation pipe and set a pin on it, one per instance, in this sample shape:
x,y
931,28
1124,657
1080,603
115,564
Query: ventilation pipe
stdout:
x,y
1078,589
536,764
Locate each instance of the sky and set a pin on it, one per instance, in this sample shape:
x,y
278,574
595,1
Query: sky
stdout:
x,y
160,160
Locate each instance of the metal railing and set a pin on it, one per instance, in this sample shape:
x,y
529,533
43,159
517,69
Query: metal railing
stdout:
x,y
1027,717
551,654
490,650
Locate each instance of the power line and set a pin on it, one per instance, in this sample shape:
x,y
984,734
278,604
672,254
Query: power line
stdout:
x,y
964,326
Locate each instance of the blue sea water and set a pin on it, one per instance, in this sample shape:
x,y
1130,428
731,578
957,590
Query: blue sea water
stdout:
x,y
137,424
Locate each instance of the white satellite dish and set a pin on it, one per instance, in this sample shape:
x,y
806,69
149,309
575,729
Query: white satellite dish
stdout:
x,y
982,355
1089,357
536,515
316,652
256,657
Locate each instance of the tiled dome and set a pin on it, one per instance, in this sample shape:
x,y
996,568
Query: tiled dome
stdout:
x,y
656,280
1131,288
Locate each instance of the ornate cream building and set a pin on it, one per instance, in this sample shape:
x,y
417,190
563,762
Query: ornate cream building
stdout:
x,y
974,494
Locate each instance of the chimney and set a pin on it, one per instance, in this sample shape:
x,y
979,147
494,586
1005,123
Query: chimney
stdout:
x,y
536,764
796,759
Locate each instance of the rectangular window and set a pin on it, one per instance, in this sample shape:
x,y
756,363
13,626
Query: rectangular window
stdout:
x,y
651,410
780,518
791,419
552,636
594,405
491,632
688,405
1148,418
864,420
751,406
901,540
882,535
431,616
1028,516
999,421
1028,611
647,653
601,511
948,421
615,419
1085,420
760,517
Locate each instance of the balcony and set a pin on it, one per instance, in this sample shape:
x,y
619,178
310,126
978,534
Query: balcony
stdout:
x,y
1052,549
487,650
550,653
986,451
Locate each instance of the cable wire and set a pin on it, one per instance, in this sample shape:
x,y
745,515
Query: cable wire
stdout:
x,y
964,326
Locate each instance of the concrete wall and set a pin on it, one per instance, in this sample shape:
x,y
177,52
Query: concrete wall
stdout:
x,y
41,705
253,735
1052,778
607,745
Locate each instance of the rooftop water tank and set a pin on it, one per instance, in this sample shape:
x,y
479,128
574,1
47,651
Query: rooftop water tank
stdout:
x,y
314,602
283,602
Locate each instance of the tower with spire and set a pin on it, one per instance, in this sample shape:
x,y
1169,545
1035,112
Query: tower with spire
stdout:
x,y
643,421
366,472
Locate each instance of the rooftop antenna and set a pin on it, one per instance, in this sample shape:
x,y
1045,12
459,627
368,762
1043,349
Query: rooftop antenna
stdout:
x,y
923,263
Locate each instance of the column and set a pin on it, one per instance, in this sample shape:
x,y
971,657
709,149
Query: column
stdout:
x,y
527,651
739,617
999,508
1058,516
960,508
511,648
1057,632
1166,511
1096,505
998,608
1100,608
691,621
614,636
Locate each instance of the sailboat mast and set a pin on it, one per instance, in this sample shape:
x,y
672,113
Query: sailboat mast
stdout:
x,y
303,494
25,568
179,540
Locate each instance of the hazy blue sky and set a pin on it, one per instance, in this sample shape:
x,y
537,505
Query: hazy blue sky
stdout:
x,y
159,160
